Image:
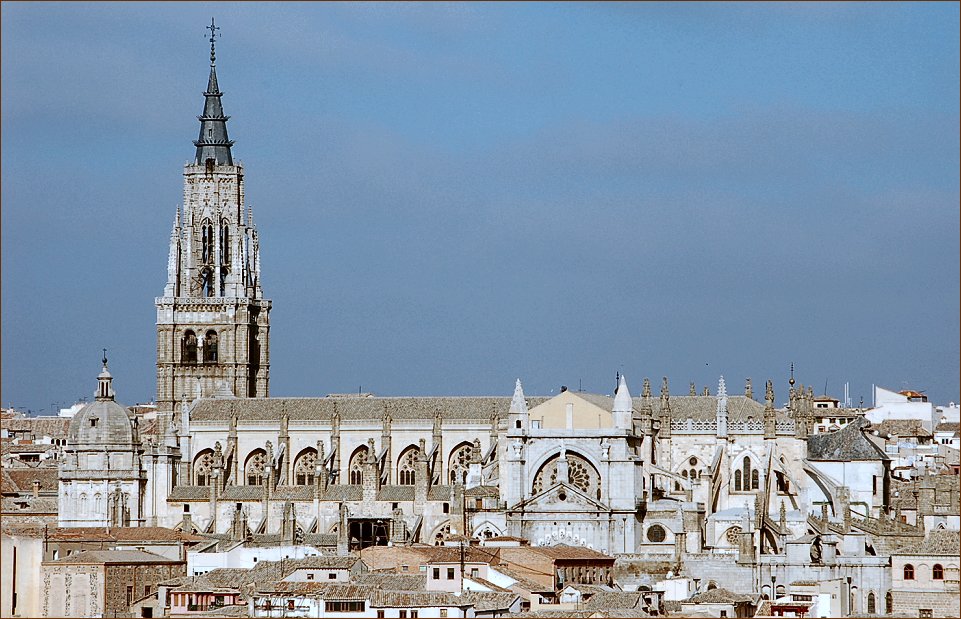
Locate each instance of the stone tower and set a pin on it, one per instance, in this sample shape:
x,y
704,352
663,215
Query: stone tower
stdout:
x,y
213,322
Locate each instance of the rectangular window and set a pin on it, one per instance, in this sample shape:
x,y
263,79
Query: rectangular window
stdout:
x,y
310,576
344,606
380,614
129,594
436,575
475,572
413,614
290,604
332,576
925,612
724,613
443,612
404,568
402,614
450,573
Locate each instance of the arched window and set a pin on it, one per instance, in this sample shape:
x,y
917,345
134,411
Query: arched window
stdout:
x,y
937,572
407,467
83,503
207,282
888,603
693,473
224,243
255,470
189,352
746,477
780,591
684,474
441,534
206,242
305,467
580,471
210,347
98,504
459,463
908,571
872,604
203,467
355,470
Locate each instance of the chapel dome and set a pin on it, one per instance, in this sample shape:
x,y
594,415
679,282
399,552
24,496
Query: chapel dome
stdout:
x,y
103,422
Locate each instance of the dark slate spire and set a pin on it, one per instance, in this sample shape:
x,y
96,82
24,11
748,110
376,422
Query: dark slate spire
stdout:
x,y
213,142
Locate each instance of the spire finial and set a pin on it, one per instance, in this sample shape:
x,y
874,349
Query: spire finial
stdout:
x,y
792,374
105,358
213,37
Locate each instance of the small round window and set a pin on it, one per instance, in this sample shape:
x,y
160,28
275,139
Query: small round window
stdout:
x,y
692,461
656,533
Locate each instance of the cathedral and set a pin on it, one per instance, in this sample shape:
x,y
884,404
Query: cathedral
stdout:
x,y
664,475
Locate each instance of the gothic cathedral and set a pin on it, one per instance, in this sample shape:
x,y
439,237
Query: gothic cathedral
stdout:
x,y
213,322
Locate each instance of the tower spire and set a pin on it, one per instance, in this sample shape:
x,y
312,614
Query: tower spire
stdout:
x,y
213,143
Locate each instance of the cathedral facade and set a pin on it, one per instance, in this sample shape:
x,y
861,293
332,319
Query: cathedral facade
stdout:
x,y
656,475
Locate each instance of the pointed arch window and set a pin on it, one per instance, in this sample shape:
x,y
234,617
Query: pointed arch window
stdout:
x,y
210,347
203,466
305,467
207,283
459,463
224,243
872,604
206,242
407,467
888,603
746,477
355,470
189,352
255,470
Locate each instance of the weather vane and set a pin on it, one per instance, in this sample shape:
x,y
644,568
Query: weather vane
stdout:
x,y
213,28
105,356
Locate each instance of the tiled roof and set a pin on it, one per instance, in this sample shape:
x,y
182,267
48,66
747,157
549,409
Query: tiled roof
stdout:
x,y
343,492
202,584
438,493
948,426
563,551
393,581
7,485
474,408
189,493
396,493
115,556
401,408
23,478
242,493
847,444
321,539
121,534
487,601
902,427
293,493
614,599
481,491
720,596
328,562
54,427
415,599
29,505
452,554
937,542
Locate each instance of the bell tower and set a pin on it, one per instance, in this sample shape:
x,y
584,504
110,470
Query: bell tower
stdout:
x,y
213,322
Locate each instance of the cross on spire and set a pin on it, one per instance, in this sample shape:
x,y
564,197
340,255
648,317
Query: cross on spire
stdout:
x,y
213,28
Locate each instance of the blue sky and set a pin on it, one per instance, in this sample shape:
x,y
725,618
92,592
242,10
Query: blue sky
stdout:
x,y
451,196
